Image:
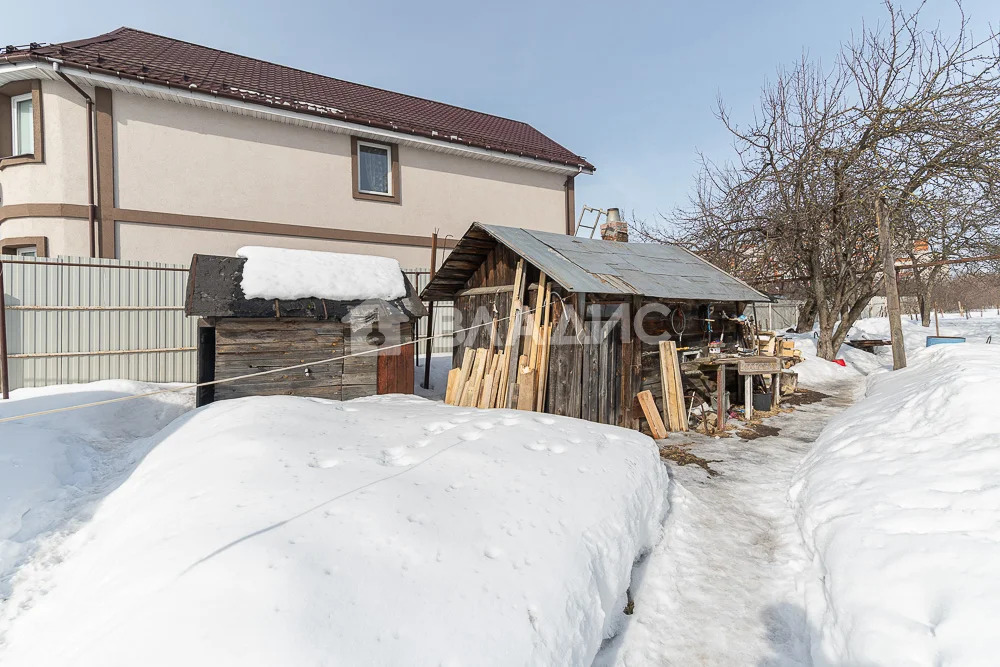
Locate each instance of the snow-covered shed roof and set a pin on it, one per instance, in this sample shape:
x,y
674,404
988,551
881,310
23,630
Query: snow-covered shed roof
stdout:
x,y
656,270
216,289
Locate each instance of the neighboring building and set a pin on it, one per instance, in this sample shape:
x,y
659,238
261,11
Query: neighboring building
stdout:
x,y
201,151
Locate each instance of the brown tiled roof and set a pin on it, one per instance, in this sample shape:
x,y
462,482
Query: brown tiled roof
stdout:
x,y
135,54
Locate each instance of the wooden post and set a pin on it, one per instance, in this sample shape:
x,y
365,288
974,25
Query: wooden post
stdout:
x,y
4,374
748,397
430,319
720,397
937,327
891,289
775,390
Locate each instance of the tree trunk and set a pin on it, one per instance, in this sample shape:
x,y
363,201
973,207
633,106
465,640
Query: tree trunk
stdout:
x,y
807,316
925,309
891,291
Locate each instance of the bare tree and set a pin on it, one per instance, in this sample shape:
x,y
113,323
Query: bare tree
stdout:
x,y
905,119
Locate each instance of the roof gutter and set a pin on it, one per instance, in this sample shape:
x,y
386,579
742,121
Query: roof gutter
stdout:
x,y
376,130
91,206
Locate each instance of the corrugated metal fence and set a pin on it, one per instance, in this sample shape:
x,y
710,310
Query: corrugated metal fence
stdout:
x,y
81,319
444,315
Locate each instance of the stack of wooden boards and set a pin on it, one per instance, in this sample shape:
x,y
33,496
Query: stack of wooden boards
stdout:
x,y
675,415
492,377
773,345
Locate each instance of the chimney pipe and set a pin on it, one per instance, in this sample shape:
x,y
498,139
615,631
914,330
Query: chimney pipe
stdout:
x,y
615,229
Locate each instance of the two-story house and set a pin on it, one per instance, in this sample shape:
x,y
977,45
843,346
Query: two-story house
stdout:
x,y
135,146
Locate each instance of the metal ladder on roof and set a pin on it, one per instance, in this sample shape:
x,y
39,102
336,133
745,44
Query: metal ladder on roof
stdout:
x,y
593,227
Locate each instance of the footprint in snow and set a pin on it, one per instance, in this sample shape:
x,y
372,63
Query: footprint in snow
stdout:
x,y
493,552
470,435
545,420
395,456
510,421
323,463
557,449
536,446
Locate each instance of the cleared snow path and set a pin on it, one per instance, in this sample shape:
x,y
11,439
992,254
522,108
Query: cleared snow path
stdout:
x,y
725,585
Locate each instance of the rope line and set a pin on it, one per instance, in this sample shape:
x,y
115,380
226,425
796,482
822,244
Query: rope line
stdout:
x,y
120,399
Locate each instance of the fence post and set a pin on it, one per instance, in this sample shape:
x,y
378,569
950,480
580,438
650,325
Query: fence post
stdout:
x,y
430,318
4,375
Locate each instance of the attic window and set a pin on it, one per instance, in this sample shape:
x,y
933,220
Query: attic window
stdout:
x,y
375,170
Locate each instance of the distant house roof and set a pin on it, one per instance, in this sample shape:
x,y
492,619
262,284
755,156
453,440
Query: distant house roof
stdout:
x,y
214,289
657,270
143,56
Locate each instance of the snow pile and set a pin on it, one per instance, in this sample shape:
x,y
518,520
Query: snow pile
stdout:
x,y
818,373
390,530
53,466
975,329
278,273
900,504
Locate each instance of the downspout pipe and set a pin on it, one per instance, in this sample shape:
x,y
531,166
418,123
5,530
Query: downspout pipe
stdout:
x,y
91,205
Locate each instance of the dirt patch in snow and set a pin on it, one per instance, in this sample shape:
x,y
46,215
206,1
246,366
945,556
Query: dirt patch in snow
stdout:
x,y
756,430
803,397
680,455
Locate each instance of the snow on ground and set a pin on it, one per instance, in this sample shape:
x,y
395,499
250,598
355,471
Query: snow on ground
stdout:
x,y
900,506
734,583
724,587
280,273
389,530
440,365
55,467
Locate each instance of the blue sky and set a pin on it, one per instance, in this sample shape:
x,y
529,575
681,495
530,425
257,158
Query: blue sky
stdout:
x,y
631,86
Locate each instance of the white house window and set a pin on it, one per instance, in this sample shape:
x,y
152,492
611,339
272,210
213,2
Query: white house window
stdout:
x,y
27,251
374,169
23,122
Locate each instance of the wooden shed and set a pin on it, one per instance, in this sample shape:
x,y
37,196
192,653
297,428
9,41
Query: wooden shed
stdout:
x,y
239,336
598,361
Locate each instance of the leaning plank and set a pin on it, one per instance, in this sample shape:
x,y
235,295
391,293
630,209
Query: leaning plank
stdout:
x,y
513,341
679,387
652,415
463,378
470,398
543,368
487,392
499,368
537,320
453,377
667,362
526,389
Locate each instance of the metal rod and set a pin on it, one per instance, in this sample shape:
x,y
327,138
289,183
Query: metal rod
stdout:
x,y
430,317
4,375
47,355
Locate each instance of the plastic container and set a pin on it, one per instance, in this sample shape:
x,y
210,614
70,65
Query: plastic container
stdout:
x,y
943,340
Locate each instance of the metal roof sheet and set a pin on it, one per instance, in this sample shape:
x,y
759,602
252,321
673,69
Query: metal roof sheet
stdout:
x,y
661,271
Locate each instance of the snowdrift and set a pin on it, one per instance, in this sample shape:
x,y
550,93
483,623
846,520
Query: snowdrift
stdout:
x,y
53,467
900,505
391,530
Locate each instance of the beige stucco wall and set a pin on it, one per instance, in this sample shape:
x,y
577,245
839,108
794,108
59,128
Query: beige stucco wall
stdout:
x,y
62,178
189,160
173,245
66,236
181,159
